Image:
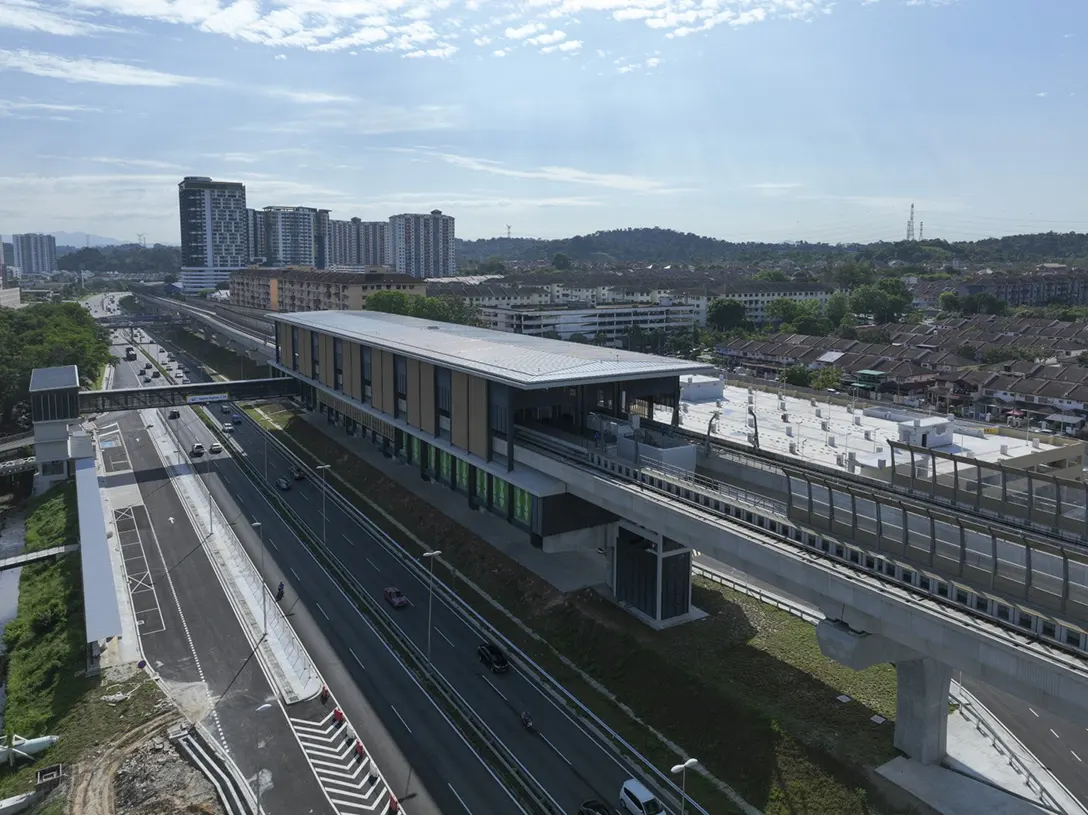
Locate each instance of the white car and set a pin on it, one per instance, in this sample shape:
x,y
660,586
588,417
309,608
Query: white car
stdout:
x,y
228,427
215,448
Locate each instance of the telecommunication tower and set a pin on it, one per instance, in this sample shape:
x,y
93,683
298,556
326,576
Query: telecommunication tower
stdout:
x,y
508,230
910,224
921,229
142,239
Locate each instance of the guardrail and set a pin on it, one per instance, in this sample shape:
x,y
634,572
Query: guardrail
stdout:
x,y
640,763
423,667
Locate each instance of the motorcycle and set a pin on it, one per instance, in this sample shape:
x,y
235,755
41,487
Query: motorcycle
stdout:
x,y
279,593
527,722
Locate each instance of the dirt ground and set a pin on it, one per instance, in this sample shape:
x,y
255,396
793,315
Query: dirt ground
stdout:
x,y
142,774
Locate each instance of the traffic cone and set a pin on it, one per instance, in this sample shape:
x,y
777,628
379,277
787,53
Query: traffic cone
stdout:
x,y
338,716
359,751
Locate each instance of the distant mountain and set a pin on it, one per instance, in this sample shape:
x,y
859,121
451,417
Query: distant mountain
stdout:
x,y
80,239
655,245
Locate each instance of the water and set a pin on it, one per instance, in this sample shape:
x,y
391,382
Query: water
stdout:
x,y
12,541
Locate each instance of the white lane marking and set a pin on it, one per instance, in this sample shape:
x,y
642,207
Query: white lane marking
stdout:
x,y
372,563
406,727
546,739
292,568
323,614
1075,756
1055,735
488,681
443,636
459,799
269,542
361,665
1037,715
349,540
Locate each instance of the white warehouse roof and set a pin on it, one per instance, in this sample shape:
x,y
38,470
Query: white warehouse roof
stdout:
x,y
520,360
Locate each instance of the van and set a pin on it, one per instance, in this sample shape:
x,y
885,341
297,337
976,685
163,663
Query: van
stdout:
x,y
637,800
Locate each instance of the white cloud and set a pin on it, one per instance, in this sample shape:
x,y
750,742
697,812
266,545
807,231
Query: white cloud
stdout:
x,y
443,51
44,107
571,45
626,69
482,41
569,175
1043,94
141,163
368,119
547,39
524,31
653,62
79,69
27,15
499,53
280,56
307,97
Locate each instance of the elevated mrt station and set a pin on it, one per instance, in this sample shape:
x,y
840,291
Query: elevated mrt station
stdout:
x,y
457,402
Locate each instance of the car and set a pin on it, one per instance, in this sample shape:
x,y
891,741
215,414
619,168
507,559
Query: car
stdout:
x,y
236,417
228,427
297,472
174,414
155,374
148,366
184,380
283,483
224,408
637,799
597,808
215,448
197,450
395,597
493,657
147,380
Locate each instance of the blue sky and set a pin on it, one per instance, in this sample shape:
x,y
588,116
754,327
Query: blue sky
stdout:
x,y
741,119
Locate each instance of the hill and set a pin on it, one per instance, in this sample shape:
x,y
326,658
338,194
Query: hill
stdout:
x,y
655,245
130,258
78,239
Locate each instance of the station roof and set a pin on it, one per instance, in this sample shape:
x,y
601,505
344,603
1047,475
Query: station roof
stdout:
x,y
101,614
52,379
520,360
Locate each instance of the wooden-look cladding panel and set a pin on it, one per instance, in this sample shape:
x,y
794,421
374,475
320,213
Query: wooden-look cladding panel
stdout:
x,y
477,416
459,410
352,375
411,394
324,357
283,333
426,398
305,363
376,378
389,388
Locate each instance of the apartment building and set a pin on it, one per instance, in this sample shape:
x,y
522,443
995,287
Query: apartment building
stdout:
x,y
756,296
299,289
214,231
1031,290
423,245
255,236
296,236
608,324
359,243
34,254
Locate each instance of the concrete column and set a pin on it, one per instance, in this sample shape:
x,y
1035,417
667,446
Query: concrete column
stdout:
x,y
921,723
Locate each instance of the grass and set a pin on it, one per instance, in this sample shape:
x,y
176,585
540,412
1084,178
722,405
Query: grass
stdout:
x,y
224,361
48,691
746,690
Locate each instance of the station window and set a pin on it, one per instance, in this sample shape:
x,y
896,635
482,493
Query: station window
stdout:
x,y
315,359
338,363
294,348
365,365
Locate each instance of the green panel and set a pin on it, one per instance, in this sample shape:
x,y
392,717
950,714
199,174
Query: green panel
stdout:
x,y
523,506
429,448
446,461
481,486
462,475
416,444
500,487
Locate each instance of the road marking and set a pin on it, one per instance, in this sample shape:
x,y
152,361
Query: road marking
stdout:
x,y
269,542
406,727
361,665
292,568
323,614
546,739
1075,756
1036,714
443,636
499,692
371,562
1055,735
349,540
459,799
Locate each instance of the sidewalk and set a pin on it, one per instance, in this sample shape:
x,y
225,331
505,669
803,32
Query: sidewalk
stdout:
x,y
287,664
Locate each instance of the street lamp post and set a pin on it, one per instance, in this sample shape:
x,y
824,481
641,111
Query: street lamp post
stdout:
x,y
264,591
683,770
257,786
324,520
430,594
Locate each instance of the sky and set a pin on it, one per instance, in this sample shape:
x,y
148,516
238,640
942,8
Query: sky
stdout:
x,y
769,120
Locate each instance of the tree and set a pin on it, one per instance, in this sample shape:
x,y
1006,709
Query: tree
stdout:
x,y
170,278
725,314
783,310
580,338
851,274
827,377
771,276
949,301
493,265
560,261
837,307
797,375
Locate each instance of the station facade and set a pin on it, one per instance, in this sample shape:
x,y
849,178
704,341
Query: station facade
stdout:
x,y
456,401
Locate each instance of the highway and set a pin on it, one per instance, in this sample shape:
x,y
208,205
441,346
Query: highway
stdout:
x,y
562,755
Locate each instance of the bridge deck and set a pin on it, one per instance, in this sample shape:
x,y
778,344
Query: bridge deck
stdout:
x,y
15,561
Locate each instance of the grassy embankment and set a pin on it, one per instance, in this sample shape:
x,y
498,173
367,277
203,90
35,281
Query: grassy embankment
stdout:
x,y
48,692
745,690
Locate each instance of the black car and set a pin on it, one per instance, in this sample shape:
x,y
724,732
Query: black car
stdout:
x,y
596,808
174,413
493,657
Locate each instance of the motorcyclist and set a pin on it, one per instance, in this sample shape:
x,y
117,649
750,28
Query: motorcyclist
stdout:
x,y
526,720
279,592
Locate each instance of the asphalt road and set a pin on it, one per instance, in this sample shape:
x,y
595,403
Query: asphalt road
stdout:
x,y
570,763
1061,746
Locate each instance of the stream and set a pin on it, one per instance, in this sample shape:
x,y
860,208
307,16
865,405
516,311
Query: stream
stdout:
x,y
12,541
